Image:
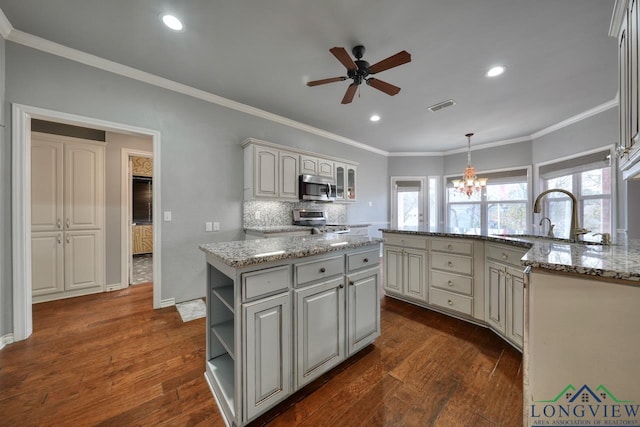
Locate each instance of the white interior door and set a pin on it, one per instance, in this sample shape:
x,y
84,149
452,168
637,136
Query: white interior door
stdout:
x,y
408,202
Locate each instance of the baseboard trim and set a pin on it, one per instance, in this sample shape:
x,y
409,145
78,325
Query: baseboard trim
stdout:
x,y
6,339
167,302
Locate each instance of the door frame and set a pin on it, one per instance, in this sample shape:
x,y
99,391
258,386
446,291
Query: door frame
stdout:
x,y
393,205
21,203
126,206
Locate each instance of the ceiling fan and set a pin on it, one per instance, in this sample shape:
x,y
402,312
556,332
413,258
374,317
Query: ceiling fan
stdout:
x,y
360,70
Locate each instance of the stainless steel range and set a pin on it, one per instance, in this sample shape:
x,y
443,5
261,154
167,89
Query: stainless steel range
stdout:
x,y
317,220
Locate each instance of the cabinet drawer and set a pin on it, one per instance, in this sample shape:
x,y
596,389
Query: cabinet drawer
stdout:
x,y
363,259
452,282
315,270
451,301
504,254
452,246
406,240
264,282
452,263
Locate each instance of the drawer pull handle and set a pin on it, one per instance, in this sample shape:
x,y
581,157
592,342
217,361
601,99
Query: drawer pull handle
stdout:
x,y
449,302
59,223
450,283
68,223
365,260
450,264
449,247
322,270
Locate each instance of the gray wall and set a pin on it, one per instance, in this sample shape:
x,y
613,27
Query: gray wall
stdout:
x,y
113,197
201,157
505,156
5,211
416,166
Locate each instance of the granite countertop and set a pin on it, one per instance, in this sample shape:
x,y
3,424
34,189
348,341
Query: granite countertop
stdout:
x,y
619,261
244,253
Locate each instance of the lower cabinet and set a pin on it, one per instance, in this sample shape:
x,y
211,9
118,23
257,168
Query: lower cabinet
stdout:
x,y
267,332
515,307
320,334
363,309
405,272
495,298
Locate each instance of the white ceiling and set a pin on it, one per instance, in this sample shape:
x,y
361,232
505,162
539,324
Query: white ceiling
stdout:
x,y
560,61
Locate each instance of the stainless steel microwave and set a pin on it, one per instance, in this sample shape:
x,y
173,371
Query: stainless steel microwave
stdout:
x,y
318,188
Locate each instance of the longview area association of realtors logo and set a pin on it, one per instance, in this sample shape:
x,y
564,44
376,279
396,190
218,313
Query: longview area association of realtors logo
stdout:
x,y
585,406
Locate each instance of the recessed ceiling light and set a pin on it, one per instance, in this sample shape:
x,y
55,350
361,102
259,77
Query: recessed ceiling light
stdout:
x,y
495,71
374,118
172,22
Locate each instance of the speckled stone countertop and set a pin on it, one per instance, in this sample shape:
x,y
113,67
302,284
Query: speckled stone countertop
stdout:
x,y
619,261
278,229
244,253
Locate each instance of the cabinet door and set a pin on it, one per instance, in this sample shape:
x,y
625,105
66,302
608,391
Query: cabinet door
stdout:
x,y
47,262
341,180
308,165
393,266
46,184
267,373
288,187
320,334
363,309
415,269
265,172
351,183
83,186
495,284
325,168
83,255
623,88
515,307
632,42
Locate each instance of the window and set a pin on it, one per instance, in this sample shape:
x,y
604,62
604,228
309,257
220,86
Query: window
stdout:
x,y
502,208
589,178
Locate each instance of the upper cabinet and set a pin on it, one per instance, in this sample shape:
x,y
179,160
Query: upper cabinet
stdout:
x,y
624,26
271,172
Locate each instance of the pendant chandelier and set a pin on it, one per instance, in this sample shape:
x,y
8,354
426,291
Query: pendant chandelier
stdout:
x,y
469,183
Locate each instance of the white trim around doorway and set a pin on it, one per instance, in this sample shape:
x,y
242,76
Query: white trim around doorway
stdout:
x,y
21,204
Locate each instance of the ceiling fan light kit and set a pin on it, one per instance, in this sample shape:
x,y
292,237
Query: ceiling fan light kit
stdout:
x,y
359,71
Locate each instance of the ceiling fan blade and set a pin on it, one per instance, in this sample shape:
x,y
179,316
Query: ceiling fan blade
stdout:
x,y
350,93
325,81
385,87
341,54
392,61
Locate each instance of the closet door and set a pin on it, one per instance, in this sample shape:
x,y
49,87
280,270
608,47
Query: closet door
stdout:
x,y
47,260
83,186
46,184
83,254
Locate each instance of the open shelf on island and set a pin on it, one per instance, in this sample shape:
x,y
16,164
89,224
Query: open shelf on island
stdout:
x,y
221,368
225,294
224,332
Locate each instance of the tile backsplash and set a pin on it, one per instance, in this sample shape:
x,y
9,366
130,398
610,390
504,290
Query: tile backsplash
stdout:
x,y
279,213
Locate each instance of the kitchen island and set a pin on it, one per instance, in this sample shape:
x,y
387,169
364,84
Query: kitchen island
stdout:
x,y
283,311
574,312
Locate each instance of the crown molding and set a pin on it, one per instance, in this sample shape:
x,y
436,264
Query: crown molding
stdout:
x,y
5,25
577,118
417,154
461,150
94,61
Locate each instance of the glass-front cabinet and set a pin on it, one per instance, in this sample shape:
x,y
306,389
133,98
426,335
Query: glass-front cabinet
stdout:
x,y
345,182
351,183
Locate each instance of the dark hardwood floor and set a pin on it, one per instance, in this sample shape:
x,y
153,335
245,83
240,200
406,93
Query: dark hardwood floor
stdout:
x,y
110,359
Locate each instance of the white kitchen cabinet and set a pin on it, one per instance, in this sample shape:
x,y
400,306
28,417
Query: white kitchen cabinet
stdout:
x,y
341,181
405,271
270,173
264,163
67,213
363,309
515,306
351,183
288,175
267,332
320,336
495,298
311,165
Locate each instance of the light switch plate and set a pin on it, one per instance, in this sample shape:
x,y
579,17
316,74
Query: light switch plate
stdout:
x,y
167,215
216,226
208,226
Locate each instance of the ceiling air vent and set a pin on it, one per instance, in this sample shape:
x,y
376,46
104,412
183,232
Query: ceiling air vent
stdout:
x,y
442,105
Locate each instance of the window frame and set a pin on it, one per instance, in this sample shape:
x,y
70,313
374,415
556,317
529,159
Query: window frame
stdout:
x,y
484,202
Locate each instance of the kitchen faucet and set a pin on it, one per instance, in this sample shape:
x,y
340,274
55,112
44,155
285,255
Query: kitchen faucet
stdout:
x,y
576,230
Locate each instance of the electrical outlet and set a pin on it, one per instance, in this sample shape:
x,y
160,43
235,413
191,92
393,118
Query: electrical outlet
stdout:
x,y
208,226
216,226
370,204
257,215
167,215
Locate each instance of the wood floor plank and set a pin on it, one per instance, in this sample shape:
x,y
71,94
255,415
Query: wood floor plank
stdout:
x,y
112,360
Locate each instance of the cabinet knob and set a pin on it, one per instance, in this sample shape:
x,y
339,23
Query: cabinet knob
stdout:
x,y
341,285
59,223
322,270
68,239
450,264
68,223
59,239
449,302
351,283
449,247
450,283
365,260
